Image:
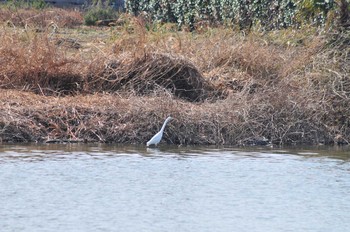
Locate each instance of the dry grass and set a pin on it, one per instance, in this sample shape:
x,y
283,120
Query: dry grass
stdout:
x,y
33,63
41,19
221,87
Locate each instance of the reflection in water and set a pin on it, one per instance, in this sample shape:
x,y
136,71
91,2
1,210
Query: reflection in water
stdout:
x,y
96,187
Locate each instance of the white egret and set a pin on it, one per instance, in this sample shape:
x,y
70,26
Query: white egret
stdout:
x,y
157,137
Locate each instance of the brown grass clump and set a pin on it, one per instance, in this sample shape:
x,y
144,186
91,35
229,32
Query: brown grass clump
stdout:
x,y
150,72
222,87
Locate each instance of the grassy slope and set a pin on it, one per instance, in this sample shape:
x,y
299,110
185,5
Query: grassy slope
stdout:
x,y
65,81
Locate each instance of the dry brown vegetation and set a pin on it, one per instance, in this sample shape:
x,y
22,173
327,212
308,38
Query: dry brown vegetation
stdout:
x,y
118,84
55,17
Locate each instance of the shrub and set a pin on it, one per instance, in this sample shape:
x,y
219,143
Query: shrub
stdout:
x,y
99,11
313,11
241,13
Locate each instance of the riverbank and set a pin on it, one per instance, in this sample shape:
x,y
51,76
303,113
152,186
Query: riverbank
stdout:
x,y
69,82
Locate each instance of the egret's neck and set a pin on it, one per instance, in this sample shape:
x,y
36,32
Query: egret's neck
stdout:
x,y
166,121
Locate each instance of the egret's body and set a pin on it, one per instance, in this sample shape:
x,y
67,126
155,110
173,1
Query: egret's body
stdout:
x,y
157,137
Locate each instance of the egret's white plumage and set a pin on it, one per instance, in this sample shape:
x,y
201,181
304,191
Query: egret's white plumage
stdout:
x,y
157,137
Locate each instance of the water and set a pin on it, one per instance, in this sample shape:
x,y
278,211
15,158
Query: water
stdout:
x,y
120,188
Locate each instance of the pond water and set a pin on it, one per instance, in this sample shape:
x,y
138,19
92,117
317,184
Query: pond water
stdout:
x,y
132,188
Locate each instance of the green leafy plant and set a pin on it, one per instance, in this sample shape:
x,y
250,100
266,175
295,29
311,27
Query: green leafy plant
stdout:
x,y
241,13
313,11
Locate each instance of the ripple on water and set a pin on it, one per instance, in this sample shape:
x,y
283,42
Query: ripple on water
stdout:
x,y
134,188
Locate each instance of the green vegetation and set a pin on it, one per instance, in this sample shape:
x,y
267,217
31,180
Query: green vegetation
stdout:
x,y
36,4
268,14
62,80
99,11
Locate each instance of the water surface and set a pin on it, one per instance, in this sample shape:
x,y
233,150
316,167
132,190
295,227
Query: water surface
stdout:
x,y
132,188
